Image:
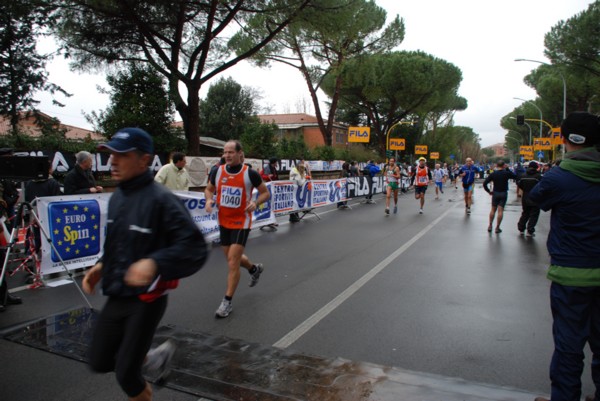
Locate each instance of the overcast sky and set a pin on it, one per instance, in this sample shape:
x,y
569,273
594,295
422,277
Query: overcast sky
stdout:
x,y
481,37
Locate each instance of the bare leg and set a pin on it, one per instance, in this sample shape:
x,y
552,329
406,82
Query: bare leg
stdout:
x,y
500,216
388,195
234,254
492,214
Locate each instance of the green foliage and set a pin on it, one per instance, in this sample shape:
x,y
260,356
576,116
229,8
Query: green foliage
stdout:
x,y
326,153
321,39
227,110
576,41
357,153
185,41
22,68
573,46
293,149
258,139
22,142
138,98
388,88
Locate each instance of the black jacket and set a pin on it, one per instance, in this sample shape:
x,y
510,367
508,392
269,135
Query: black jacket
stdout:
x,y
527,181
500,179
79,181
38,188
146,220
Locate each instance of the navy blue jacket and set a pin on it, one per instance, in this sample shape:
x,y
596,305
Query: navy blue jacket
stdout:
x,y
146,220
574,239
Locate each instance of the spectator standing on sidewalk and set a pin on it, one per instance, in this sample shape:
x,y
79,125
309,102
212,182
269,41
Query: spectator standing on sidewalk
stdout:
x,y
80,179
572,192
174,175
370,171
269,171
8,198
298,175
344,173
531,211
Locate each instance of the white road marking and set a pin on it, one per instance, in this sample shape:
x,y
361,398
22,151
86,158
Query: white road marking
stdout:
x,y
319,315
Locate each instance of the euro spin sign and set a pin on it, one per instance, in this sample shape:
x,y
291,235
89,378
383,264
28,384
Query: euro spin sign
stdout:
x,y
542,144
397,144
421,150
359,134
74,228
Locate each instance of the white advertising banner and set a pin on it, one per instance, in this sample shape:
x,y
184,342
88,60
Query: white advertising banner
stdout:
x,y
76,224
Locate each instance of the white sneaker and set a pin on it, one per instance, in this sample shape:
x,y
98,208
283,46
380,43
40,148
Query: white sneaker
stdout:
x,y
224,309
420,211
254,277
158,360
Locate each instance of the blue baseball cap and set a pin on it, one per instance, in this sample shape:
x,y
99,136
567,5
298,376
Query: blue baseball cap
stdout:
x,y
129,139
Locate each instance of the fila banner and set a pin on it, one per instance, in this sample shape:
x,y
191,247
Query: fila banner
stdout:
x,y
359,134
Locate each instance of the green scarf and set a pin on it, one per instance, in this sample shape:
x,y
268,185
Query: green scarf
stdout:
x,y
584,163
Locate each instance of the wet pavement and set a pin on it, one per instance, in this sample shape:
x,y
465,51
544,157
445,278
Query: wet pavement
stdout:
x,y
354,306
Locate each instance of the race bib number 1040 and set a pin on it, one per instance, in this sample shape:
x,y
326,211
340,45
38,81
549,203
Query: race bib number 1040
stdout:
x,y
231,197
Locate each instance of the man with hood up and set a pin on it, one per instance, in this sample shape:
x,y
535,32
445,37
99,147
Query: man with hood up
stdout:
x,y
572,192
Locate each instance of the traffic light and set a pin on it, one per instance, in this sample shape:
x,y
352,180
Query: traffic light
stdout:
x,y
520,119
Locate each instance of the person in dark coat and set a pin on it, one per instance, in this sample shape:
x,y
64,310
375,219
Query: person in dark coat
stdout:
x,y
80,179
572,192
531,211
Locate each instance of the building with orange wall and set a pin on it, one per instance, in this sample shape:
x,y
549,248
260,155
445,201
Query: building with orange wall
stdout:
x,y
305,126
27,125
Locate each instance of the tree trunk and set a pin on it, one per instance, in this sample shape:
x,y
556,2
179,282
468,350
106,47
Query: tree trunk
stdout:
x,y
190,116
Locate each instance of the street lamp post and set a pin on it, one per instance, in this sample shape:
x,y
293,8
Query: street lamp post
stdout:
x,y
513,139
563,79
387,135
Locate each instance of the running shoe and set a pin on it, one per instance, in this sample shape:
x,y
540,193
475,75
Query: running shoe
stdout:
x,y
395,209
387,211
498,230
158,360
420,211
468,210
224,309
256,275
521,232
530,234
489,229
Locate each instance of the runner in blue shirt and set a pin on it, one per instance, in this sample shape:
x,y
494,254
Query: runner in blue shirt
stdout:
x,y
468,172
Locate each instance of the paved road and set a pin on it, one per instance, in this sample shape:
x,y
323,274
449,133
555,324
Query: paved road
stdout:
x,y
431,293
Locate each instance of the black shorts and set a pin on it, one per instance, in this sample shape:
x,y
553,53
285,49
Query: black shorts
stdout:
x,y
230,236
499,199
420,189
